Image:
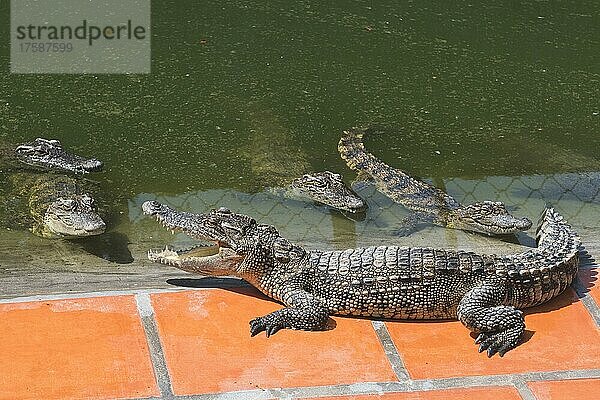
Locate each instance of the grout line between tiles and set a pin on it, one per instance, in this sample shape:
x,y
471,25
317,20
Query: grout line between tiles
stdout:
x,y
517,381
390,350
146,312
524,390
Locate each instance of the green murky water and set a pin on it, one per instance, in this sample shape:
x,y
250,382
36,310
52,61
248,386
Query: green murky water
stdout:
x,y
488,101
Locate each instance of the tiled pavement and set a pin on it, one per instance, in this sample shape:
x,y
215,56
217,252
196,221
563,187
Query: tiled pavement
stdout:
x,y
195,344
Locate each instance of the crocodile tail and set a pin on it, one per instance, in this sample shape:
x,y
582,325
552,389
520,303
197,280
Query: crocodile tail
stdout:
x,y
553,234
352,149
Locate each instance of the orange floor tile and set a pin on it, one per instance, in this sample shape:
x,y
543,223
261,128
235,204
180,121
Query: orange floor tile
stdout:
x,y
489,393
74,349
208,348
565,337
571,389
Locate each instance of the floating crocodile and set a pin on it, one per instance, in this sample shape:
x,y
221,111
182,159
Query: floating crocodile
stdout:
x,y
58,206
48,203
46,155
485,292
286,171
428,202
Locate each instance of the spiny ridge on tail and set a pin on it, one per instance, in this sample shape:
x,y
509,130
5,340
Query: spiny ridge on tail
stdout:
x,y
553,233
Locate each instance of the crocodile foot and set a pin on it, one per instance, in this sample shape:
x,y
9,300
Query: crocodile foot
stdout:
x,y
499,341
268,325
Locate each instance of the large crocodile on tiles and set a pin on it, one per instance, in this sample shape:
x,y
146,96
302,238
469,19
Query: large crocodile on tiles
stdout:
x,y
48,203
485,292
428,202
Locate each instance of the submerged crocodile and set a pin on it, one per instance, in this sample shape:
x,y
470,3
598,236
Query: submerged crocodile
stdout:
x,y
285,170
428,202
48,203
485,292
58,206
46,155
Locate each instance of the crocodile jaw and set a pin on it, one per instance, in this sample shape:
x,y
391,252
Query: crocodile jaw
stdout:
x,y
491,218
213,260
73,225
500,226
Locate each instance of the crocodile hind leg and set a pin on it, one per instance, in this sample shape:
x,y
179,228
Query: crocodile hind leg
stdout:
x,y
499,326
303,312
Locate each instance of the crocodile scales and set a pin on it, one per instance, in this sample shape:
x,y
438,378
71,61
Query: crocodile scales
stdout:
x,y
428,202
485,292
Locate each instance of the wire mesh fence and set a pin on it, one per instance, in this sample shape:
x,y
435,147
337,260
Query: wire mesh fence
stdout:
x,y
575,195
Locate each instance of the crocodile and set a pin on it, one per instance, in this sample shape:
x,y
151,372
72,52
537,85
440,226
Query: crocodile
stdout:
x,y
52,205
285,169
484,292
428,202
46,154
46,201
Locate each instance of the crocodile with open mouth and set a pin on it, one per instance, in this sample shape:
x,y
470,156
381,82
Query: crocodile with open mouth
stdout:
x,y
45,200
428,202
485,292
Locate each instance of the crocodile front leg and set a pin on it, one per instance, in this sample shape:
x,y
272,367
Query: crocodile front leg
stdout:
x,y
413,223
303,312
500,327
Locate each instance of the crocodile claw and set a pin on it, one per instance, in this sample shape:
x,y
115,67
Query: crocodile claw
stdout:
x,y
481,348
257,325
271,330
497,342
479,340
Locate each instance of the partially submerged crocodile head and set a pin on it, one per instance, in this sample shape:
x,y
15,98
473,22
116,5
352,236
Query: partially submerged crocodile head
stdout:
x,y
232,236
71,217
489,217
329,188
49,154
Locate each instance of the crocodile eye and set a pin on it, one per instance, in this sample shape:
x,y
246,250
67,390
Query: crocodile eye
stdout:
x,y
316,182
224,210
87,200
334,176
67,204
234,229
47,142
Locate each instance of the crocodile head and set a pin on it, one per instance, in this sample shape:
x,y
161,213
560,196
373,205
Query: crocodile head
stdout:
x,y
49,154
489,217
329,188
238,244
72,217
